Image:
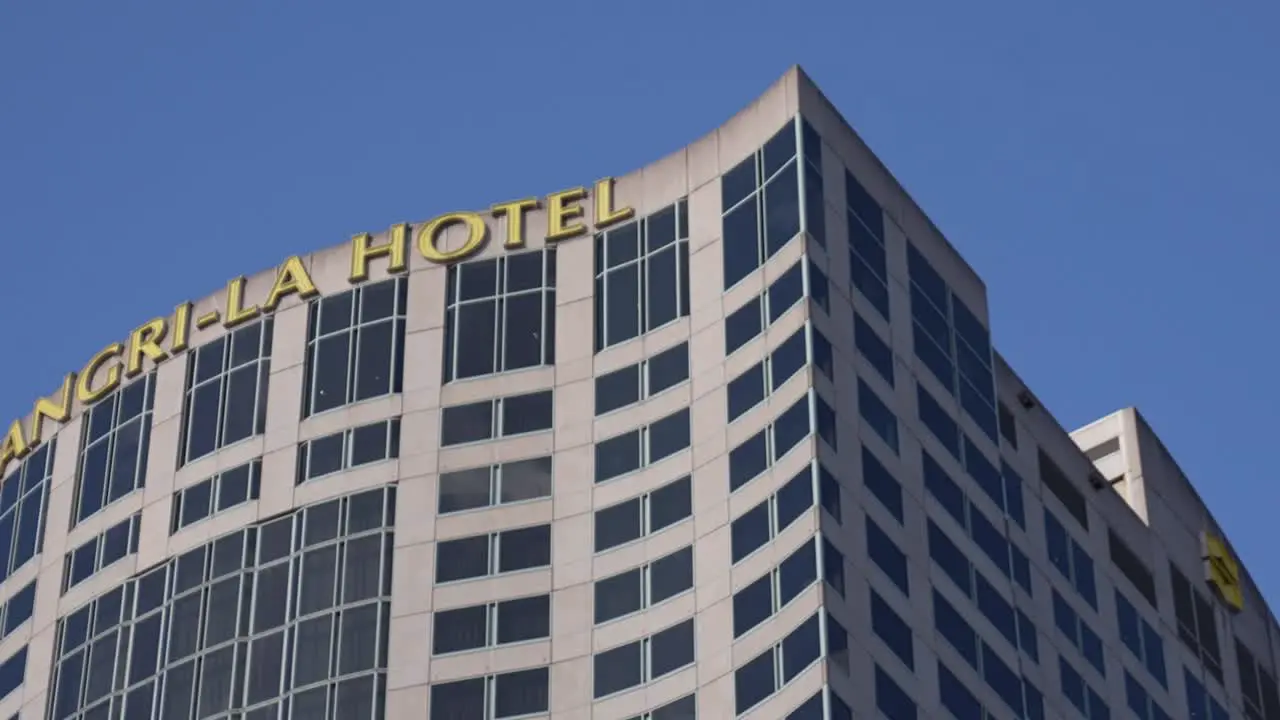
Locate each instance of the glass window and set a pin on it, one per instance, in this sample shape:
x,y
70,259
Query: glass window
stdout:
x,y
635,518
952,342
645,660
759,381
227,489
747,322
1140,701
1126,560
513,694
991,540
819,287
19,608
13,672
760,205
226,396
892,629
829,494
218,629
1075,630
763,598
645,379
938,421
1056,482
642,275
756,527
355,345
1015,692
1071,559
500,314
1201,704
814,203
645,586
24,498
1142,639
883,486
867,256
891,699
1009,620
956,698
500,623
875,350
510,482
1008,425
877,415
761,451
93,555
632,450
498,418
114,447
1197,622
501,552
887,556
1257,684
348,449
1081,694
770,671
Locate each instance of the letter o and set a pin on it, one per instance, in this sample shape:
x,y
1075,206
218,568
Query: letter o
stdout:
x,y
477,233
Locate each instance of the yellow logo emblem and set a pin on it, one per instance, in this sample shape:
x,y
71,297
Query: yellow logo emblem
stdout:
x,y
1222,571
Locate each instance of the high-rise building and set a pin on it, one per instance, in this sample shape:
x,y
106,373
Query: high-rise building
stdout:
x,y
723,438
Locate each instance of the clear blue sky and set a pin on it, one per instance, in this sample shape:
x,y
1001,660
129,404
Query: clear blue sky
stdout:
x,y
1108,167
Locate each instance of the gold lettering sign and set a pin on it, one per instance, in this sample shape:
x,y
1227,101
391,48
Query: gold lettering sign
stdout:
x,y
566,217
1222,571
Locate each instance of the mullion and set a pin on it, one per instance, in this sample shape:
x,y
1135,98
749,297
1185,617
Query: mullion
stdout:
x,y
643,259
500,316
545,305
223,380
762,252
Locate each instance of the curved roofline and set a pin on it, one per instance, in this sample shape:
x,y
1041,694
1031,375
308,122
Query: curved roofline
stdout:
x,y
446,239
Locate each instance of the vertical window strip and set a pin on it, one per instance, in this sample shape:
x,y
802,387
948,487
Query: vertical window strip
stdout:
x,y
24,501
114,447
642,275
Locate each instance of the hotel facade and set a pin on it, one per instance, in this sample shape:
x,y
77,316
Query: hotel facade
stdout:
x,y
722,438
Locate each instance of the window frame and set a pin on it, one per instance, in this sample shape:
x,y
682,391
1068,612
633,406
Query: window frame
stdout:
x,y
643,262
113,405
353,330
500,297
228,345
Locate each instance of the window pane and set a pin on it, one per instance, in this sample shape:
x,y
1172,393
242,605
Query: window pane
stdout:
x,y
617,525
671,649
373,360
462,558
526,413
476,331
525,548
618,669
464,489
524,619
617,596
525,480
332,361
521,693
671,575
523,331
467,423
670,504
460,629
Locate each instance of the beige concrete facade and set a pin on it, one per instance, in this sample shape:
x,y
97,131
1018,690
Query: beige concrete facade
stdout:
x,y
1153,508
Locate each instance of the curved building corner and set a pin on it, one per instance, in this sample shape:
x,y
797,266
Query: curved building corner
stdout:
x,y
725,437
